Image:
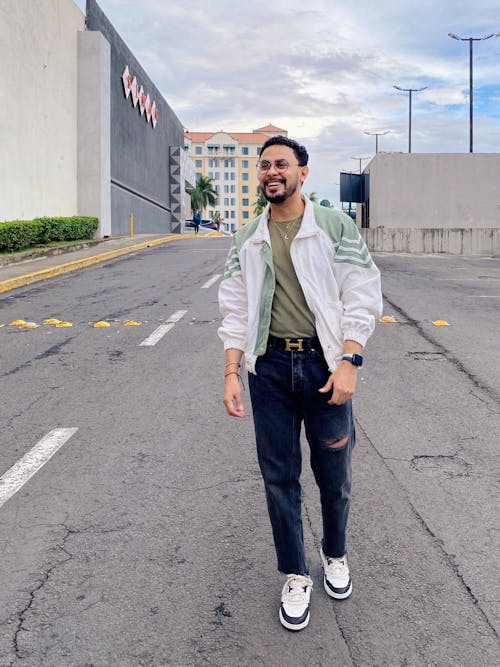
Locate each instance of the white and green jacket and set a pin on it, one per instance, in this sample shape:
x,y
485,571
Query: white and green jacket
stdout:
x,y
341,284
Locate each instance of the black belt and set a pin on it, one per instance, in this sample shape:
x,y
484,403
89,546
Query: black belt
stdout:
x,y
294,344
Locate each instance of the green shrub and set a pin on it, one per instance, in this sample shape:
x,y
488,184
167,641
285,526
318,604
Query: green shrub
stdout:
x,y
67,229
19,234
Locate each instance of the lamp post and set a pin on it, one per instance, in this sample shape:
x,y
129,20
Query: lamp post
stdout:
x,y
377,135
360,158
409,90
470,40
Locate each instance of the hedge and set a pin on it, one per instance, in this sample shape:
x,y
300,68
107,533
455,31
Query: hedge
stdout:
x,y
19,234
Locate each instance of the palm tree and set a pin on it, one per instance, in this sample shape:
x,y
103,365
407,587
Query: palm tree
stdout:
x,y
203,194
261,202
313,196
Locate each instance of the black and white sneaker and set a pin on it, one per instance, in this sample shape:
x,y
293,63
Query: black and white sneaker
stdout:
x,y
295,596
337,580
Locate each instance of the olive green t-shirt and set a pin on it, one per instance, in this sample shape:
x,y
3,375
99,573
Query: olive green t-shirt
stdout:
x,y
290,315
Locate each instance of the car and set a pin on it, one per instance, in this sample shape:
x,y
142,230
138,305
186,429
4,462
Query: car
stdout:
x,y
204,223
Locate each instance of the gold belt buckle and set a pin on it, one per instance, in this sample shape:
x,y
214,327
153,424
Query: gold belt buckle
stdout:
x,y
294,346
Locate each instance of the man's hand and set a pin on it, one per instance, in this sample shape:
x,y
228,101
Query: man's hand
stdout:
x,y
343,383
232,396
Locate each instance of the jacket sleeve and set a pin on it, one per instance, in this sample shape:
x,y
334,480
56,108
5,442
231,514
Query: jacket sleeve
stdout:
x,y
359,283
233,303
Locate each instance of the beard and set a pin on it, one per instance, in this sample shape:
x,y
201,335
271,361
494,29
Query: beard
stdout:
x,y
288,191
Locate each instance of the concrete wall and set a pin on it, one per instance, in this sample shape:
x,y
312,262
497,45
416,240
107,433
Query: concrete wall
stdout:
x,y
140,153
38,114
478,242
94,142
434,190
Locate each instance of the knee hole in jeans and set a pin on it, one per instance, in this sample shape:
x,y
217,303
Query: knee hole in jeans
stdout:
x,y
336,444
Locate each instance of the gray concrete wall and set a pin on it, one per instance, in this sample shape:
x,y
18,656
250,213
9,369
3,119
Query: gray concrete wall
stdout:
x,y
435,190
38,114
479,242
140,154
94,144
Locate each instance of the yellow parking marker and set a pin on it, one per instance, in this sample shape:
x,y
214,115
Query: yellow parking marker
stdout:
x,y
17,323
52,321
387,318
63,325
100,324
440,323
132,323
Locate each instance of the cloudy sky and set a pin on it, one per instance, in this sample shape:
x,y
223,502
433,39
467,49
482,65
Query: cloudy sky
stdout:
x,y
324,70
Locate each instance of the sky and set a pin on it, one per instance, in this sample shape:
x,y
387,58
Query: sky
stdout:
x,y
324,71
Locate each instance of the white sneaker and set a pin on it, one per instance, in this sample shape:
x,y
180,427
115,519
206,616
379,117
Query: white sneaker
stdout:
x,y
295,596
337,580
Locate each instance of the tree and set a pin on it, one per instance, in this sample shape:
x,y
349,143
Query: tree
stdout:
x,y
313,197
203,194
260,204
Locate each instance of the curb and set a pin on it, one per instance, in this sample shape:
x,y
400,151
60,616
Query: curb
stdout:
x,y
29,278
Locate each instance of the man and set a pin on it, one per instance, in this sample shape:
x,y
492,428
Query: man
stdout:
x,y
197,221
299,298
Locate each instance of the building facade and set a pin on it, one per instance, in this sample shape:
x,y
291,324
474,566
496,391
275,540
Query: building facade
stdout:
x,y
90,133
230,160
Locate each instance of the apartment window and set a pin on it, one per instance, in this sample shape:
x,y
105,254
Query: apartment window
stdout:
x,y
233,201
217,188
217,176
233,176
226,189
226,201
233,214
197,150
244,189
233,189
226,175
244,202
198,175
244,164
226,214
210,174
244,176
199,163
259,150
245,215
244,150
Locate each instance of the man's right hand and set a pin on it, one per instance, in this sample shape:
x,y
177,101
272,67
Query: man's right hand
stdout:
x,y
232,396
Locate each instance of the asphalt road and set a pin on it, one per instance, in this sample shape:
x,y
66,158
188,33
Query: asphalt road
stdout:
x,y
144,541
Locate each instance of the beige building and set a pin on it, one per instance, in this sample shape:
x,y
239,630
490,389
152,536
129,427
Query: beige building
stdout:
x,y
230,159
432,202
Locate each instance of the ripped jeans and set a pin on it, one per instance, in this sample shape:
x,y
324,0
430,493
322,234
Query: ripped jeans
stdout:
x,y
284,394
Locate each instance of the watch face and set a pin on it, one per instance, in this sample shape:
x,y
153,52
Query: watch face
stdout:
x,y
357,359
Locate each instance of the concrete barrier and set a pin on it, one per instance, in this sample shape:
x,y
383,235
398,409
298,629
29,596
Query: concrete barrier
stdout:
x,y
452,241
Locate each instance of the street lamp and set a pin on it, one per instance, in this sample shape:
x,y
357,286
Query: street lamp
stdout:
x,y
377,135
470,40
360,158
409,90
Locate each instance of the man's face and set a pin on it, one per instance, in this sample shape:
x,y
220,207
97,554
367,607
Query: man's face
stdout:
x,y
279,185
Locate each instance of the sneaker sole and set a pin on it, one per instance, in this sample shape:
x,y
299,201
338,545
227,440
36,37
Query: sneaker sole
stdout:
x,y
294,626
337,596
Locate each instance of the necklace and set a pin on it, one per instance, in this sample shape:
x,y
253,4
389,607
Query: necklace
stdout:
x,y
288,226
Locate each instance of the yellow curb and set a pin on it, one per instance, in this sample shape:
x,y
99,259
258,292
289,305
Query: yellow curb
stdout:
x,y
53,271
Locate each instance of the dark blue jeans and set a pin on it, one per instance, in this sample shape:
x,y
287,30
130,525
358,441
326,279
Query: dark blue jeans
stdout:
x,y
284,394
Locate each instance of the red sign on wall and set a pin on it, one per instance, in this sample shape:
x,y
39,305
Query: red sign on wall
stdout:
x,y
147,106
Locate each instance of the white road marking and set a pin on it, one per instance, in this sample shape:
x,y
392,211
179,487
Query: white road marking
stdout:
x,y
32,461
212,280
160,331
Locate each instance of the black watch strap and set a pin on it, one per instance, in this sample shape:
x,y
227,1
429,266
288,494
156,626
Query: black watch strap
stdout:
x,y
355,359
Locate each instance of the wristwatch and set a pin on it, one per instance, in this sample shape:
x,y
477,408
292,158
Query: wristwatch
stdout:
x,y
355,359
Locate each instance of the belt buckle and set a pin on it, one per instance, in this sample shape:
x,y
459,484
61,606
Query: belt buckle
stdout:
x,y
294,346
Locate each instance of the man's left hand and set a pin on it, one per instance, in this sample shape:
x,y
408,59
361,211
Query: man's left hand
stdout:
x,y
343,383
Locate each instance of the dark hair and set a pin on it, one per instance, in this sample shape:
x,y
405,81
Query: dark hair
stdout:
x,y
300,151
